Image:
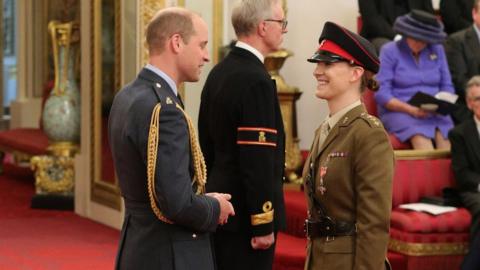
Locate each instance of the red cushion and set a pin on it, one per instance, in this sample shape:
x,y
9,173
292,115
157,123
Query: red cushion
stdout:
x,y
444,262
419,222
414,179
296,211
27,140
290,252
368,99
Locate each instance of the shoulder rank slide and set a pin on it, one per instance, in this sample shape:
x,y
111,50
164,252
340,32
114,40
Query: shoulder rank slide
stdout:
x,y
257,136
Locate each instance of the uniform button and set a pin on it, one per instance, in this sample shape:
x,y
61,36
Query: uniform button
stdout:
x,y
284,178
158,85
194,235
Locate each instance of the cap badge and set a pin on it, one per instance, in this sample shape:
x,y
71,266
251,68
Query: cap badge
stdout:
x,y
158,85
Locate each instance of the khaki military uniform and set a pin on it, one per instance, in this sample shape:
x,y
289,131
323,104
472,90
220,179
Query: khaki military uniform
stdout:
x,y
351,176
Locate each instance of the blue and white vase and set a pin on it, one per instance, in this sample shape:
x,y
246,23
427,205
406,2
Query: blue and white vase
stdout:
x,y
61,113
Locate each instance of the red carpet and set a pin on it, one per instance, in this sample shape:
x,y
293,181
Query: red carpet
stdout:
x,y
47,239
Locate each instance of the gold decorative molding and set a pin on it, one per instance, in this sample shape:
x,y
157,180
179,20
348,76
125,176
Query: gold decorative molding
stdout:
x,y
217,34
66,149
148,8
421,154
102,192
53,174
428,249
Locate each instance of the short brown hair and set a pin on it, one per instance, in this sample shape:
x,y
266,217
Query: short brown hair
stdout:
x,y
166,23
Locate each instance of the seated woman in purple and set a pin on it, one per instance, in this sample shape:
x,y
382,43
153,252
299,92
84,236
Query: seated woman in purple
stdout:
x,y
415,63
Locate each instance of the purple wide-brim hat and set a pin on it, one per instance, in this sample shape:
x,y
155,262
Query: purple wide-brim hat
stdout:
x,y
421,26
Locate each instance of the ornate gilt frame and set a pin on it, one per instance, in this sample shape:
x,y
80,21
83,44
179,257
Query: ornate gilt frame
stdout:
x,y
106,193
102,192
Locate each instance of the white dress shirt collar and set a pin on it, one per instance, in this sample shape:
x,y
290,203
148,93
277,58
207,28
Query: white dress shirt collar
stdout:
x,y
164,76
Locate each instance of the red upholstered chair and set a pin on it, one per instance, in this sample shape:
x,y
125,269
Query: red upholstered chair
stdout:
x,y
24,143
426,241
368,100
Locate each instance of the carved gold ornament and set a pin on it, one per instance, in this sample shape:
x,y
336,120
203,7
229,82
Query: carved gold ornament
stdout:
x,y
53,174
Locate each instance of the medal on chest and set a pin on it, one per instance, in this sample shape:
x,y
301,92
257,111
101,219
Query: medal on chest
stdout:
x,y
322,188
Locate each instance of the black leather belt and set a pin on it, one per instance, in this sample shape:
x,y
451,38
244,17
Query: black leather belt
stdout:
x,y
329,228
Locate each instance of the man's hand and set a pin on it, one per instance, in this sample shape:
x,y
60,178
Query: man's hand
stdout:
x,y
262,242
226,208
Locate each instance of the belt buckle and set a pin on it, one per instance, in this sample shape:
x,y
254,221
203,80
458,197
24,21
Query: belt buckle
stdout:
x,y
329,238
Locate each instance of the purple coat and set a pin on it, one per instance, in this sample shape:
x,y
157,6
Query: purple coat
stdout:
x,y
400,77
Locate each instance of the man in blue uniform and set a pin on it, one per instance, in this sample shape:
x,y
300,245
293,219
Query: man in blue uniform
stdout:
x,y
157,159
242,135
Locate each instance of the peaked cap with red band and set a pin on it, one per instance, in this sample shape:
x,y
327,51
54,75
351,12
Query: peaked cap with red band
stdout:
x,y
340,44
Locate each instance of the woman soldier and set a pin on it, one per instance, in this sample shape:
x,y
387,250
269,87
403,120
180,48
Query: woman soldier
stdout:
x,y
348,174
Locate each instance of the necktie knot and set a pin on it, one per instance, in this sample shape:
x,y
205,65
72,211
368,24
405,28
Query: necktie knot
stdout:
x,y
324,130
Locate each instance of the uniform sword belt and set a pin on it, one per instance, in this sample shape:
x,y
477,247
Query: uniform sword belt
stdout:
x,y
329,228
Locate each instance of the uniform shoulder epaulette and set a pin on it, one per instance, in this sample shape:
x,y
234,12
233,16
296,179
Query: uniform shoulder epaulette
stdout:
x,y
373,121
164,99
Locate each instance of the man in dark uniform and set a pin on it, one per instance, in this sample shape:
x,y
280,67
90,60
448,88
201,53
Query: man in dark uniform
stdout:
x,y
241,133
167,218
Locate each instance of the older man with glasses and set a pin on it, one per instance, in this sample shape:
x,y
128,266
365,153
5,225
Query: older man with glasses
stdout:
x,y
241,133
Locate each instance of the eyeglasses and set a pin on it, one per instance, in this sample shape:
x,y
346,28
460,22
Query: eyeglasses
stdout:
x,y
283,22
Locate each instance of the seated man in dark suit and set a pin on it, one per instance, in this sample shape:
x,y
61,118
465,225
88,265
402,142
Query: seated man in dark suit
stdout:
x,y
465,140
463,54
456,14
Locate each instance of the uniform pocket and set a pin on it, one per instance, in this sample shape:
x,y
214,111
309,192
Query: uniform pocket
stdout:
x,y
339,253
343,244
191,251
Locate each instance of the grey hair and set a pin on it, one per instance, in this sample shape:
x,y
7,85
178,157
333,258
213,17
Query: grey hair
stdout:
x,y
247,14
474,81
